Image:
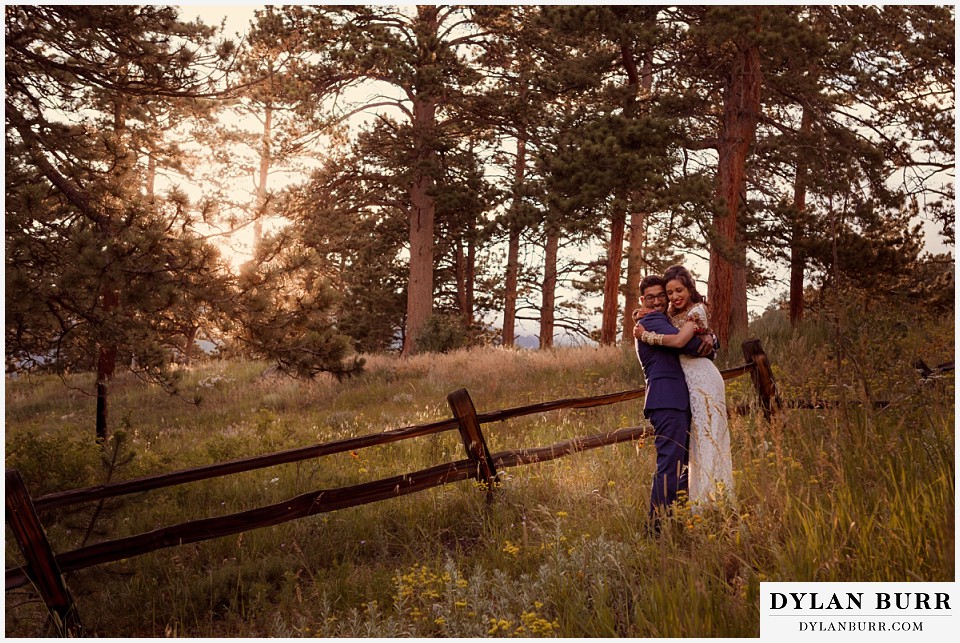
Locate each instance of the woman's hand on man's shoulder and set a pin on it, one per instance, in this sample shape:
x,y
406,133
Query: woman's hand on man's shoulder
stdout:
x,y
640,313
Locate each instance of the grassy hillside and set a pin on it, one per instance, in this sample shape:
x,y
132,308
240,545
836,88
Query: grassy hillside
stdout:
x,y
854,493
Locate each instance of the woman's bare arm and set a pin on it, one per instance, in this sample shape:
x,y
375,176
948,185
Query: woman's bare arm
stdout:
x,y
680,339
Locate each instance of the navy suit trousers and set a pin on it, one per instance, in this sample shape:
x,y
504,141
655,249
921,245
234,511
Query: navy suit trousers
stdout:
x,y
672,431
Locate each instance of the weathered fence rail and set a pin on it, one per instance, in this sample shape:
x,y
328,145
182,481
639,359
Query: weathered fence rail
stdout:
x,y
937,371
44,569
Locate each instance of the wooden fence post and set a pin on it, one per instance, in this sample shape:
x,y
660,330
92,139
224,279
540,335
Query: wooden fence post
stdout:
x,y
466,415
43,569
762,376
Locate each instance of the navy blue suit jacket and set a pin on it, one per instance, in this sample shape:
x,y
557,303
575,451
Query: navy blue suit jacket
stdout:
x,y
666,385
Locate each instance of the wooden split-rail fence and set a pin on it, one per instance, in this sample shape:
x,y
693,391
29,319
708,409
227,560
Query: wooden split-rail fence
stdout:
x,y
45,570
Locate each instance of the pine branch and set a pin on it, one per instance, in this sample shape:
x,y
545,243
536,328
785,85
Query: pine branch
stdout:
x,y
35,147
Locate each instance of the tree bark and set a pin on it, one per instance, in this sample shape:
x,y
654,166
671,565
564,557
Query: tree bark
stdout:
x,y
420,288
510,297
106,365
513,247
611,281
460,270
151,173
549,290
641,79
422,203
190,344
109,293
797,258
631,289
471,278
727,285
263,174
466,273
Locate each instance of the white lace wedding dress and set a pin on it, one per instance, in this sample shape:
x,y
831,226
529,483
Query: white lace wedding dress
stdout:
x,y
710,473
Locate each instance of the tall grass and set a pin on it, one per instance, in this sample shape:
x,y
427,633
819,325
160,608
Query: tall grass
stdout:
x,y
854,493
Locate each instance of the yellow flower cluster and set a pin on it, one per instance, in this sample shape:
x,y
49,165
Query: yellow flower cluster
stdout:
x,y
533,624
425,596
693,521
499,625
420,583
510,548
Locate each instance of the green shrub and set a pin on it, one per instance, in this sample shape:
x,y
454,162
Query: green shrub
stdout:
x,y
50,462
443,333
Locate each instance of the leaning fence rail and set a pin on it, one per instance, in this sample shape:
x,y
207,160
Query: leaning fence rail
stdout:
x,y
44,569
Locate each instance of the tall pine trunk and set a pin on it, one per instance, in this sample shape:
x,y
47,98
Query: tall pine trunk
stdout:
x,y
549,290
466,270
641,81
460,275
151,180
611,281
797,258
727,285
262,175
109,294
634,264
422,214
471,280
423,206
190,344
510,296
513,247
106,363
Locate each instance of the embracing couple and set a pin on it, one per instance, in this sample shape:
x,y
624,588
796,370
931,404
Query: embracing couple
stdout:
x,y
685,400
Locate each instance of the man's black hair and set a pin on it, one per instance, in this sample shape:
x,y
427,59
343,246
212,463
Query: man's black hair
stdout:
x,y
651,280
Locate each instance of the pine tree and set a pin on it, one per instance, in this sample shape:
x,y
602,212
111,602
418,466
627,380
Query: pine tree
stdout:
x,y
832,130
347,214
421,53
619,149
514,106
720,50
285,311
261,130
103,260
462,233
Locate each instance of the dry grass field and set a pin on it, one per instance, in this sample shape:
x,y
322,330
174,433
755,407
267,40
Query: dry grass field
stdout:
x,y
847,493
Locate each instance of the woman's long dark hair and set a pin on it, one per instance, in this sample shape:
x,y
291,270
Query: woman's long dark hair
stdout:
x,y
683,276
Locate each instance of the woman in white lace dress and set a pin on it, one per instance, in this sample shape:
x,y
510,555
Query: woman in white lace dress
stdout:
x,y
710,472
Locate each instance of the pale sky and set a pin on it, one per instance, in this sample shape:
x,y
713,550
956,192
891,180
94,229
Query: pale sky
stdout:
x,y
238,14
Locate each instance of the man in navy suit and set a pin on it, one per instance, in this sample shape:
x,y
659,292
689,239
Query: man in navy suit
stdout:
x,y
667,403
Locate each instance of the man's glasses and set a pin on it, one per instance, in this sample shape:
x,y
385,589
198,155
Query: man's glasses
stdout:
x,y
653,298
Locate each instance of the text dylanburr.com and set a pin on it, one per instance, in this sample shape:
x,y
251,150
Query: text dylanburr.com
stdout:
x,y
858,611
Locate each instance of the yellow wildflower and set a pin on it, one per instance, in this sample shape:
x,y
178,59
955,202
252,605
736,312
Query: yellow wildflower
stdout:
x,y
510,548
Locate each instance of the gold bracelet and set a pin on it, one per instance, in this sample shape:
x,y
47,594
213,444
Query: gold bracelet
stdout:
x,y
652,338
